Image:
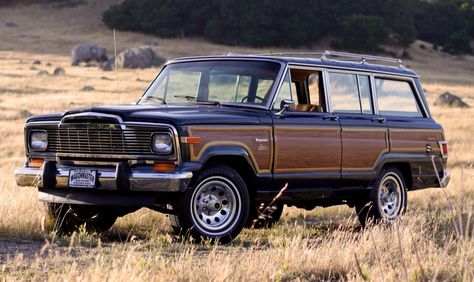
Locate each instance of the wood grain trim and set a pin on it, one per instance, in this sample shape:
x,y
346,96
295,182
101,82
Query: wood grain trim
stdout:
x,y
224,142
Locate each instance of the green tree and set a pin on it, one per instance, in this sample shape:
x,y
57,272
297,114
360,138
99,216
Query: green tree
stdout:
x,y
363,33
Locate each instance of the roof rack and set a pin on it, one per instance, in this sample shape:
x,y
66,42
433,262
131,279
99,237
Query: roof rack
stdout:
x,y
332,55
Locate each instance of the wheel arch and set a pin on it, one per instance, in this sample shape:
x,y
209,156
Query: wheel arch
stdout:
x,y
405,170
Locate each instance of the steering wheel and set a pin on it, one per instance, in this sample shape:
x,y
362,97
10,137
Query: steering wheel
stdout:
x,y
256,97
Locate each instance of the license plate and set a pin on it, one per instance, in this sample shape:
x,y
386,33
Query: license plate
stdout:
x,y
81,178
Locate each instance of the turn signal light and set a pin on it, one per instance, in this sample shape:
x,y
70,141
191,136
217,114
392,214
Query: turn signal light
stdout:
x,y
36,162
191,140
164,167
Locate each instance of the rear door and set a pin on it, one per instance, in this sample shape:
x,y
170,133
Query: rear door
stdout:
x,y
364,133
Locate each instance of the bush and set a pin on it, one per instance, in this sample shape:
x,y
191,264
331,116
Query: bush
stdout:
x,y
363,33
459,43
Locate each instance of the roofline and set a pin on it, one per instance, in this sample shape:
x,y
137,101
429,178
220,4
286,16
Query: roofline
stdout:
x,y
322,63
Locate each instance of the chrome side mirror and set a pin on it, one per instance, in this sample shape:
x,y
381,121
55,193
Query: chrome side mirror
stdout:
x,y
284,106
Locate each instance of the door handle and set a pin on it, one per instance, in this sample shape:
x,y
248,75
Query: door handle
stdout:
x,y
379,119
331,118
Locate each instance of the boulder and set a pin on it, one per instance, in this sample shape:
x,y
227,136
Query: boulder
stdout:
x,y
10,24
36,62
450,100
139,58
59,71
87,53
43,73
108,66
87,88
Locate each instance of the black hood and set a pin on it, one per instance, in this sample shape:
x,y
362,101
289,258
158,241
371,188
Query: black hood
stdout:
x,y
173,114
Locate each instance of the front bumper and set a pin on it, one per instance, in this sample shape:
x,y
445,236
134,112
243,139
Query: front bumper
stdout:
x,y
109,178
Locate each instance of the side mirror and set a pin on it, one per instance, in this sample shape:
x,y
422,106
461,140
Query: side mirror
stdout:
x,y
284,106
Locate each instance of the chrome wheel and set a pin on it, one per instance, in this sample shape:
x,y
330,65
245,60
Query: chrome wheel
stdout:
x,y
390,196
216,204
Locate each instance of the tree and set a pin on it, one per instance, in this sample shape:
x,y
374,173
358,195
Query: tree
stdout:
x,y
363,33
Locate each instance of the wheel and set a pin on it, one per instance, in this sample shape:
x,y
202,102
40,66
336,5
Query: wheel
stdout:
x,y
259,218
216,208
388,199
66,218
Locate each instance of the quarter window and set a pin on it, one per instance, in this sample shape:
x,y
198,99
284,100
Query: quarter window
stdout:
x,y
396,98
350,93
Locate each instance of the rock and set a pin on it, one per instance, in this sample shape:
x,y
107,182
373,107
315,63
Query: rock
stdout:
x,y
139,58
48,64
36,62
59,71
151,42
43,73
10,24
449,100
108,66
24,114
87,53
87,88
106,78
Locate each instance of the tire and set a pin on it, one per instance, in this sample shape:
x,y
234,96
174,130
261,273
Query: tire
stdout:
x,y
387,201
267,219
66,219
215,208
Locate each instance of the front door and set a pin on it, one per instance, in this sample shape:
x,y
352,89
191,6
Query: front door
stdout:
x,y
307,138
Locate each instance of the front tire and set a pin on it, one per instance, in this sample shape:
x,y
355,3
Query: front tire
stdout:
x,y
216,208
387,201
66,219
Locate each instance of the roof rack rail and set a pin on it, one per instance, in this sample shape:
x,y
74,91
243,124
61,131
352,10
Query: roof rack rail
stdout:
x,y
342,56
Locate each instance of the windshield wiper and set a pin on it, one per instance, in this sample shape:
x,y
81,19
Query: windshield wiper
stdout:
x,y
146,98
198,100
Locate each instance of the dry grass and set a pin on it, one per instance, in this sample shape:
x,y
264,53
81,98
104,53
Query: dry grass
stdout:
x,y
432,242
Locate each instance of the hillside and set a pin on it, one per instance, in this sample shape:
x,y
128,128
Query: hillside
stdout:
x,y
432,242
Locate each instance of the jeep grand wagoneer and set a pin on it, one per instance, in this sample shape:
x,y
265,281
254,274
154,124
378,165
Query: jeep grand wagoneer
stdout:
x,y
214,137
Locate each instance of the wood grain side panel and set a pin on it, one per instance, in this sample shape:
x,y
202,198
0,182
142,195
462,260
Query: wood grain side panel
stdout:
x,y
414,140
362,147
307,149
251,138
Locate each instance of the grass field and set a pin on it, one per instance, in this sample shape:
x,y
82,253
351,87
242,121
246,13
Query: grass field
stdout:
x,y
432,242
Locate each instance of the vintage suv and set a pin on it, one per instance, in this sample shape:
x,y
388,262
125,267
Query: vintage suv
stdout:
x,y
214,137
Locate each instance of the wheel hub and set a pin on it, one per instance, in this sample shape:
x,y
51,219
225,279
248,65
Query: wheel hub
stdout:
x,y
389,197
214,205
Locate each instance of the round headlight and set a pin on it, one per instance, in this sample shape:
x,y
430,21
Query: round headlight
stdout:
x,y
39,140
162,143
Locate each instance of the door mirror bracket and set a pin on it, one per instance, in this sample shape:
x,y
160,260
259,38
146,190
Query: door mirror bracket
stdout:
x,y
284,106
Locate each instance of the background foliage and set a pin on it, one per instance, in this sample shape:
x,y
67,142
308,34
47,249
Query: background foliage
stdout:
x,y
355,24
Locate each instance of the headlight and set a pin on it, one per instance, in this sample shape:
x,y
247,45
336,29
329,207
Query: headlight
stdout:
x,y
162,143
39,140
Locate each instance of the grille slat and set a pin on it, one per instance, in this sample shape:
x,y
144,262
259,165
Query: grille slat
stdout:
x,y
101,139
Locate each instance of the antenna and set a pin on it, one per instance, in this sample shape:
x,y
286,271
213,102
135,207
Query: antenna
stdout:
x,y
116,69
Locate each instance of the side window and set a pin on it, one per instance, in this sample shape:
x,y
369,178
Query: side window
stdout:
x,y
396,98
344,93
350,93
365,94
284,93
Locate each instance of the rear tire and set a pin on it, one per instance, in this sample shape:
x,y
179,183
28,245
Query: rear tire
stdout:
x,y
66,219
216,208
387,201
267,219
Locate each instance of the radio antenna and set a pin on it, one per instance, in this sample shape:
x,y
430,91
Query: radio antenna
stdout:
x,y
115,62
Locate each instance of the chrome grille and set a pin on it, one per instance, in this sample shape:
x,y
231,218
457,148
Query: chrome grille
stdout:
x,y
101,140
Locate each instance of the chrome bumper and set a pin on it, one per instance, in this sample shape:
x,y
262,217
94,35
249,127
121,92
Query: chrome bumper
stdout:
x,y
108,179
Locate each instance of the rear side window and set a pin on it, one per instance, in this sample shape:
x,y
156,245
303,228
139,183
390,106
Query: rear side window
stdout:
x,y
350,93
396,98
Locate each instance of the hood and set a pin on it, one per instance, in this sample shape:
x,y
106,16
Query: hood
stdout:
x,y
173,114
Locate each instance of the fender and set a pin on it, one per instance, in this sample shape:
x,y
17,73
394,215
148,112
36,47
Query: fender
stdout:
x,y
226,151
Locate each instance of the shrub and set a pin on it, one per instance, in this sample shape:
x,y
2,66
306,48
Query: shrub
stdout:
x,y
363,33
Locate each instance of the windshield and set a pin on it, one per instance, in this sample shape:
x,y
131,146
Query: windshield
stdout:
x,y
243,82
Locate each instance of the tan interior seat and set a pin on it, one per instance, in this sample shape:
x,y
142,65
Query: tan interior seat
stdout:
x,y
305,108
